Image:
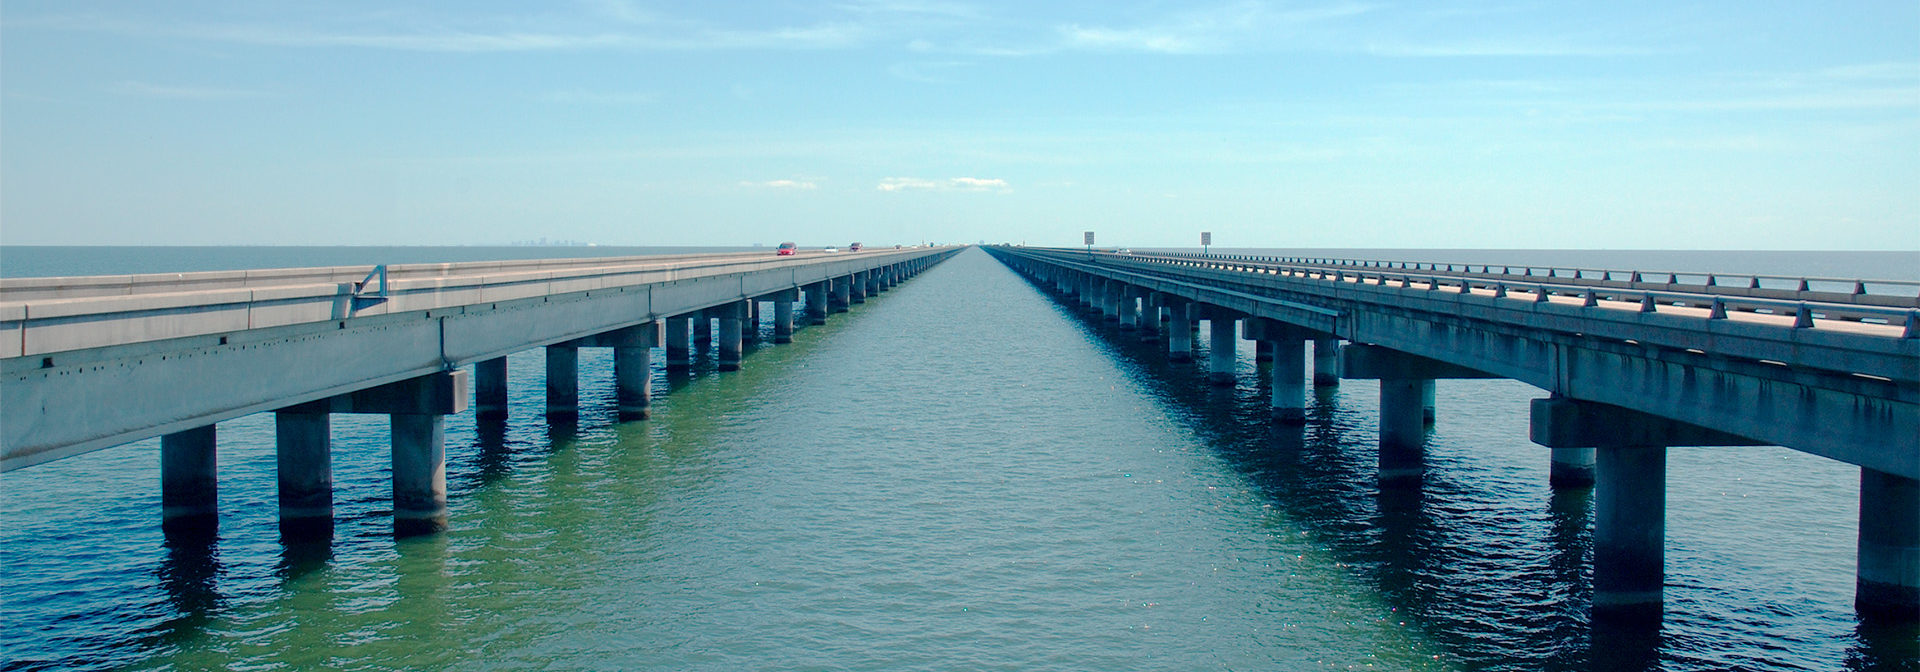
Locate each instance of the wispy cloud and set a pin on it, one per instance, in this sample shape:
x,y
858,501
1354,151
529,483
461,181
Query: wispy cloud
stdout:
x,y
180,92
949,184
631,29
781,184
1507,47
1230,27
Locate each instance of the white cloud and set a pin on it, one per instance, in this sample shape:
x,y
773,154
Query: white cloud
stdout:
x,y
781,184
949,184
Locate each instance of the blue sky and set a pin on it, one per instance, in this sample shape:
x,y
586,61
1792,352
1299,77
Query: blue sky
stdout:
x,y
1659,125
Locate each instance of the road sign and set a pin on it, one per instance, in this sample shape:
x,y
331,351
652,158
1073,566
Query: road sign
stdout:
x,y
1089,237
1206,237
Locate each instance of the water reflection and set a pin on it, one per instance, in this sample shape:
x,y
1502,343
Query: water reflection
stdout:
x,y
1885,644
1500,593
190,575
1625,644
304,551
494,461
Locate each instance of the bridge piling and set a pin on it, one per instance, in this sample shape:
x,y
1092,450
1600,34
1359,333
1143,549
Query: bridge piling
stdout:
x,y
189,482
1402,432
419,473
817,303
1150,316
679,354
490,388
731,315
1129,308
702,329
1289,373
1629,532
1326,362
783,319
842,297
857,287
563,379
750,326
1180,331
1224,346
1887,583
633,370
1571,468
304,465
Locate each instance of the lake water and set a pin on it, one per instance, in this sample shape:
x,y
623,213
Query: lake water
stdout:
x,y
960,474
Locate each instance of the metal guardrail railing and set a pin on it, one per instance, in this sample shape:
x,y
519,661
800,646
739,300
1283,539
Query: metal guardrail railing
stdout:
x,y
1898,293
1649,296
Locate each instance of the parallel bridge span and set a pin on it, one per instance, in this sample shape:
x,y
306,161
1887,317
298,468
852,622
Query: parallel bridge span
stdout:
x,y
93,362
1634,364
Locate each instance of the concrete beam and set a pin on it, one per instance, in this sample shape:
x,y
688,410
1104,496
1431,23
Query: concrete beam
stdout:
x,y
1559,422
644,335
1371,362
444,393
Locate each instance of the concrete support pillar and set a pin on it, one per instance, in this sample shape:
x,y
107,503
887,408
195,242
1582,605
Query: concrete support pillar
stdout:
x,y
857,287
189,482
1150,316
1224,341
1571,468
1887,583
750,326
1129,308
1426,401
842,294
782,321
1263,351
1629,531
702,328
1402,432
679,354
490,388
730,319
633,380
419,473
1289,375
1326,362
1180,331
817,302
563,380
873,282
304,460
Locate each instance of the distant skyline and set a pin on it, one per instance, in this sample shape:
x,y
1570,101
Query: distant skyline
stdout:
x,y
1714,125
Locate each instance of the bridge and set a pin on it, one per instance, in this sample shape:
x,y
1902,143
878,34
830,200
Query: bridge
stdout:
x,y
1633,363
93,362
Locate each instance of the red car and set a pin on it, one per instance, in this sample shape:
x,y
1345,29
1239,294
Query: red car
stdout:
x,y
854,247
786,250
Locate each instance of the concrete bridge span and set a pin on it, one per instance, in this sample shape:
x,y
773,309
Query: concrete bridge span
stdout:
x,y
93,362
1632,363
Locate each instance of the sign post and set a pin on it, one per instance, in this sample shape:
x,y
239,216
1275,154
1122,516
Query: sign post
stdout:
x,y
1206,241
1089,242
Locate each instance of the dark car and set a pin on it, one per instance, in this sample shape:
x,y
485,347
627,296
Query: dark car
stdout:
x,y
787,249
